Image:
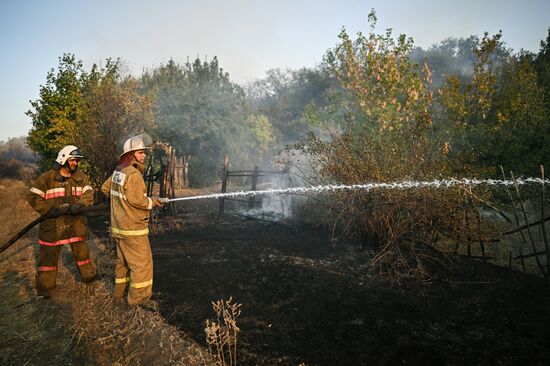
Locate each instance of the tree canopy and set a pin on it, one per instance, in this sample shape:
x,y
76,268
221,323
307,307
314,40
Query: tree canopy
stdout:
x,y
473,99
95,110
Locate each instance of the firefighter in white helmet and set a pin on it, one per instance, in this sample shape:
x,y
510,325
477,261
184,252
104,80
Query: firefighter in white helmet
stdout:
x,y
62,187
130,209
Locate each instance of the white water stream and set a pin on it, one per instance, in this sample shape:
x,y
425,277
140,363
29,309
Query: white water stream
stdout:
x,y
435,184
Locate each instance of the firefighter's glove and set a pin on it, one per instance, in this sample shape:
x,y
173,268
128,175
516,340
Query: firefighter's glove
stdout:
x,y
75,209
159,202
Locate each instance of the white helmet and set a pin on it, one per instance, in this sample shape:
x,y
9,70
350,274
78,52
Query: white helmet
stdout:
x,y
139,142
68,152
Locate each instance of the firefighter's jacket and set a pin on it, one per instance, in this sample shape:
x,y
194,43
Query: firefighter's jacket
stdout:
x,y
51,190
130,206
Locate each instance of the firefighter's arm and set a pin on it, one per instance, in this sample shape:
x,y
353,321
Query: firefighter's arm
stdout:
x,y
134,190
87,197
37,197
106,186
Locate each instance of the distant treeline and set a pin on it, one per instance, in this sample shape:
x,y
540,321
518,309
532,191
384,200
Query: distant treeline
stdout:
x,y
465,106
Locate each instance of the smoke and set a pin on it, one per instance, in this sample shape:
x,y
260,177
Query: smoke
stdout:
x,y
455,56
16,148
274,207
452,56
200,112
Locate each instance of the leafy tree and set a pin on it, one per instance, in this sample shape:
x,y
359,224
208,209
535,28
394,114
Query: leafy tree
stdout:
x,y
262,133
542,67
284,98
499,117
200,112
454,57
94,110
466,107
520,135
54,113
386,136
393,97
112,109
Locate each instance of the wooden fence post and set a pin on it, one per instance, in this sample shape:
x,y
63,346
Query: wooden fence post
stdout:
x,y
172,191
542,226
224,189
254,183
186,159
178,169
149,175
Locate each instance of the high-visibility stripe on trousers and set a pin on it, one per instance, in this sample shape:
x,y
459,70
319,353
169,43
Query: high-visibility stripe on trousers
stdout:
x,y
75,239
134,267
81,263
46,268
139,232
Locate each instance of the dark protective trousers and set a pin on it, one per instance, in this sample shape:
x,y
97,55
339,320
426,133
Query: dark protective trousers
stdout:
x,y
48,259
134,267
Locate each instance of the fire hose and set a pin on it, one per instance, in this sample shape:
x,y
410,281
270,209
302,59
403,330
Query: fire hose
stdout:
x,y
59,212
51,215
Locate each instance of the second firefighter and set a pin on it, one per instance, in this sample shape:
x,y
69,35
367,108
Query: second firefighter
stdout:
x,y
130,210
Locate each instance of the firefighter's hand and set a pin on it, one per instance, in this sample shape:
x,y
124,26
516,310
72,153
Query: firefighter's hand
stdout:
x,y
159,202
75,209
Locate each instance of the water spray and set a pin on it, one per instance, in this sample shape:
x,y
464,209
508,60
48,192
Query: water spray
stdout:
x,y
402,185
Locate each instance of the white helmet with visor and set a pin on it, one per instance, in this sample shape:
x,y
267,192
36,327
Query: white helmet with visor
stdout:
x,y
135,143
68,152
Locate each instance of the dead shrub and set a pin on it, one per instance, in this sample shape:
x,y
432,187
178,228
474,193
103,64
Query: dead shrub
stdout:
x,y
221,335
385,135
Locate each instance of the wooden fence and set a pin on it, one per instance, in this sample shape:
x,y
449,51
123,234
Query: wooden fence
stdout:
x,y
164,173
254,176
532,246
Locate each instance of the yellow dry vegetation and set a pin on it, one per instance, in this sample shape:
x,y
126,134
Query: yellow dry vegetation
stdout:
x,y
81,325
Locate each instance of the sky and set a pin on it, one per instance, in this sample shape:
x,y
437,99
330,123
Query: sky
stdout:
x,y
249,37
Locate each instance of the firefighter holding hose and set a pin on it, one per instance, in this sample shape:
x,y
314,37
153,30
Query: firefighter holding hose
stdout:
x,y
130,210
66,189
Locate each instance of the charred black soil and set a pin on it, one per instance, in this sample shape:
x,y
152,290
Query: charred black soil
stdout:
x,y
307,299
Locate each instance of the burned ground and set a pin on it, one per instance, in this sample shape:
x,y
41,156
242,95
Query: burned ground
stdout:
x,y
308,299
305,299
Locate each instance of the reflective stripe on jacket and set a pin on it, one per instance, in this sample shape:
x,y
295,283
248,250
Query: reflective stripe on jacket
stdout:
x,y
51,190
130,206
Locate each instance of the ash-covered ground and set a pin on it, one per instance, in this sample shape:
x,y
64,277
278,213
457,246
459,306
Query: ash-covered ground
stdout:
x,y
308,299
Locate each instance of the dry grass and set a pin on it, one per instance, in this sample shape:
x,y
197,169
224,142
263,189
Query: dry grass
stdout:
x,y
32,330
81,325
124,335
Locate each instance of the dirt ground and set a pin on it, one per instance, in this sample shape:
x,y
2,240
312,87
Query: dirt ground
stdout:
x,y
308,299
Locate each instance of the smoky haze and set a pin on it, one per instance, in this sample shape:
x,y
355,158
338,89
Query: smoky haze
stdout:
x,y
205,115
